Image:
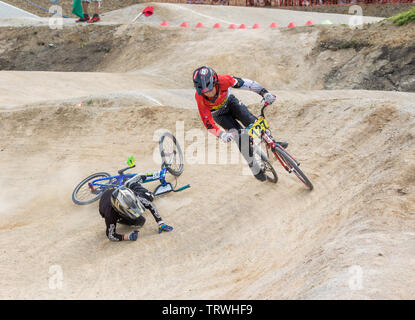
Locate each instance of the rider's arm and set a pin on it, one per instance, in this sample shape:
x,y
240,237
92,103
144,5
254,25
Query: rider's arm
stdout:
x,y
246,84
111,218
108,213
207,119
111,232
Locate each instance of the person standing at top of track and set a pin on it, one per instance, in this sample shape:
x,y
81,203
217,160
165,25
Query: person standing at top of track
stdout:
x,y
217,104
87,18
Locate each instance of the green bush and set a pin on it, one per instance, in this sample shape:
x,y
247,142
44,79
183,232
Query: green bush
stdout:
x,y
403,17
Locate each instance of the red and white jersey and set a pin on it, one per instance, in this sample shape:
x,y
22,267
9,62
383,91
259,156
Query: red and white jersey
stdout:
x,y
206,107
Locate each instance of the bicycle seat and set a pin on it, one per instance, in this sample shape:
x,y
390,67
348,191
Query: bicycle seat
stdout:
x,y
125,169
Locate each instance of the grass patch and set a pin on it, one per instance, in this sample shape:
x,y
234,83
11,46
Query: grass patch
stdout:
x,y
403,17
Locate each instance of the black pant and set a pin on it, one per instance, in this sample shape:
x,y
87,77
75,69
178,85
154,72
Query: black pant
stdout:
x,y
228,116
146,198
139,222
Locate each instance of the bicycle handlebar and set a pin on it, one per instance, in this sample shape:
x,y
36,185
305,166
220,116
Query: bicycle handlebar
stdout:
x,y
266,104
125,169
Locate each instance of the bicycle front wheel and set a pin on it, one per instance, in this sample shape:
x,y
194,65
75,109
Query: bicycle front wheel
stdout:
x,y
171,154
292,165
85,192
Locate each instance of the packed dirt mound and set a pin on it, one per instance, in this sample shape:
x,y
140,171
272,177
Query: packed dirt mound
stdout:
x,y
20,88
374,10
234,237
376,56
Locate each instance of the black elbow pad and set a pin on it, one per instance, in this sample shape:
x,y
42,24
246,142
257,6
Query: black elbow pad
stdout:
x,y
239,84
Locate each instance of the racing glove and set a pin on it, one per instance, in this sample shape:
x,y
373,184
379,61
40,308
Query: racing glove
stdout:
x,y
164,227
133,235
269,98
226,136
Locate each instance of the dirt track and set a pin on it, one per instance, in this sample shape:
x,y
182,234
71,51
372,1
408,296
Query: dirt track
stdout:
x,y
234,237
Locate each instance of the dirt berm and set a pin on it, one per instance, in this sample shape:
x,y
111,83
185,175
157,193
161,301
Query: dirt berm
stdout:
x,y
377,56
234,237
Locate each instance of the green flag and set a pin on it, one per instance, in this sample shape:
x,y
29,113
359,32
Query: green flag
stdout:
x,y
77,8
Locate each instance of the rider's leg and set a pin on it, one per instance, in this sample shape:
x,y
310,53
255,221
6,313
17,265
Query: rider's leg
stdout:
x,y
225,119
150,206
239,111
142,192
139,222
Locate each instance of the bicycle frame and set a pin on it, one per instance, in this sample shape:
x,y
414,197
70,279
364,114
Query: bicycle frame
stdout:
x,y
121,178
271,144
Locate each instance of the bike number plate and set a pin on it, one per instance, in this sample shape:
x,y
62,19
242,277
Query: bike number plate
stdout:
x,y
258,127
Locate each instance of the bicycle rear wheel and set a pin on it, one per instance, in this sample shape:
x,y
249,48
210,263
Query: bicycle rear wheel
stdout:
x,y
171,154
84,193
291,163
261,157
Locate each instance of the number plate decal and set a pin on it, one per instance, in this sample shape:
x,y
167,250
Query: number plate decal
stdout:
x,y
258,127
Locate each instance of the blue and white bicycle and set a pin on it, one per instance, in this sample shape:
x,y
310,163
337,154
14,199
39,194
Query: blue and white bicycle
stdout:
x,y
91,188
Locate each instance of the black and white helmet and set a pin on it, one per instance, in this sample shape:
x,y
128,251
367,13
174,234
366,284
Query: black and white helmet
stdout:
x,y
204,79
125,202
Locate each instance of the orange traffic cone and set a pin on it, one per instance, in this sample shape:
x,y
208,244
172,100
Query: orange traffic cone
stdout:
x,y
164,23
273,25
256,26
242,26
217,25
292,25
309,23
184,24
233,26
200,25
